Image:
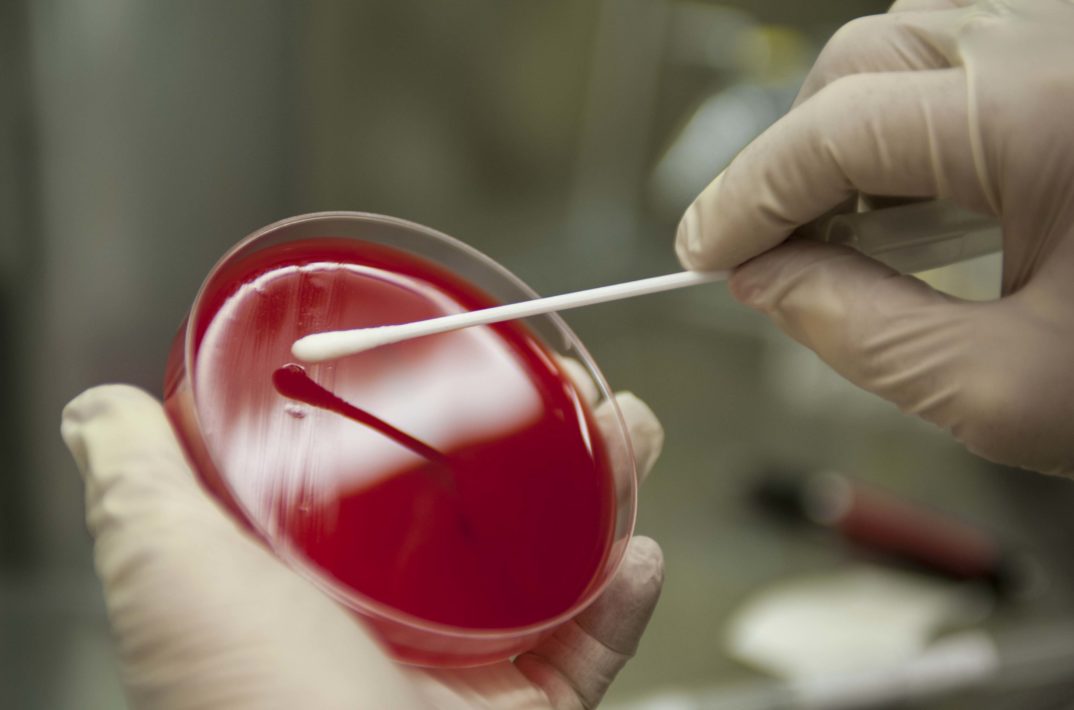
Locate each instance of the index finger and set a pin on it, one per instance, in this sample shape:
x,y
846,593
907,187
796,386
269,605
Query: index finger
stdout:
x,y
575,666
905,134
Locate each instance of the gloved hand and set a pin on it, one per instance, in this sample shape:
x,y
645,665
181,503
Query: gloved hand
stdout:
x,y
968,101
205,617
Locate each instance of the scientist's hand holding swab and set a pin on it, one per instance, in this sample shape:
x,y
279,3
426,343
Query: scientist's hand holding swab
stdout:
x,y
973,102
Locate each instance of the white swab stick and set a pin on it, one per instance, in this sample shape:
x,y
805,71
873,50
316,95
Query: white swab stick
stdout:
x,y
330,345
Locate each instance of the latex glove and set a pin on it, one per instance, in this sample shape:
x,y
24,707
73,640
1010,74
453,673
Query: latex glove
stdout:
x,y
205,617
974,104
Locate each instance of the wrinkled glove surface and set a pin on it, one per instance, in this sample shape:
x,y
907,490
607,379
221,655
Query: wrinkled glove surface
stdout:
x,y
970,101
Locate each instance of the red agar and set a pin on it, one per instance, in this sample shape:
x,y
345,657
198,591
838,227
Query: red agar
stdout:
x,y
353,483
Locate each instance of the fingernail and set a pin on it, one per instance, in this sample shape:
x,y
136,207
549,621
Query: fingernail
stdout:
x,y
647,555
579,377
646,432
690,243
745,287
71,433
688,238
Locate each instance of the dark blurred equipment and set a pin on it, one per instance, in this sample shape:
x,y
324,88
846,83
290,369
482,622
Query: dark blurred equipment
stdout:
x,y
880,522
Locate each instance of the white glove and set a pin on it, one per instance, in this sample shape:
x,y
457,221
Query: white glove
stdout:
x,y
205,617
968,101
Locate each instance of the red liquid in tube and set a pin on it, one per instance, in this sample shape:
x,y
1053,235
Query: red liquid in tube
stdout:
x,y
501,521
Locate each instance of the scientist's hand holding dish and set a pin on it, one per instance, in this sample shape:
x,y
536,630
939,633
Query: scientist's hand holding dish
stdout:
x,y
972,102
206,617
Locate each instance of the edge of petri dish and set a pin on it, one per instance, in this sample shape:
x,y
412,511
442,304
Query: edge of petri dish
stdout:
x,y
355,599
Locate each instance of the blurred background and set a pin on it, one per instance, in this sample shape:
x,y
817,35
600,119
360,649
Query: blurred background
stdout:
x,y
142,139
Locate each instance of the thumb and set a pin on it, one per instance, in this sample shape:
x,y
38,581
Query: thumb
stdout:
x,y
202,614
960,365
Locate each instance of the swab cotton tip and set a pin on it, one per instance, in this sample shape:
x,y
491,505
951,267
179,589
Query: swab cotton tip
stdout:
x,y
314,348
330,345
340,343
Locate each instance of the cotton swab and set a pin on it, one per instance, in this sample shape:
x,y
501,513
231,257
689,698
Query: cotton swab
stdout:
x,y
921,235
330,345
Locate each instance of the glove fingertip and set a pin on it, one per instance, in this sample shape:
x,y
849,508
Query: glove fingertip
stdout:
x,y
96,402
579,376
645,556
102,398
695,238
645,431
622,612
688,239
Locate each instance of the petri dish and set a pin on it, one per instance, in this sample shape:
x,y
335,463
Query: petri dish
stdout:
x,y
454,491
